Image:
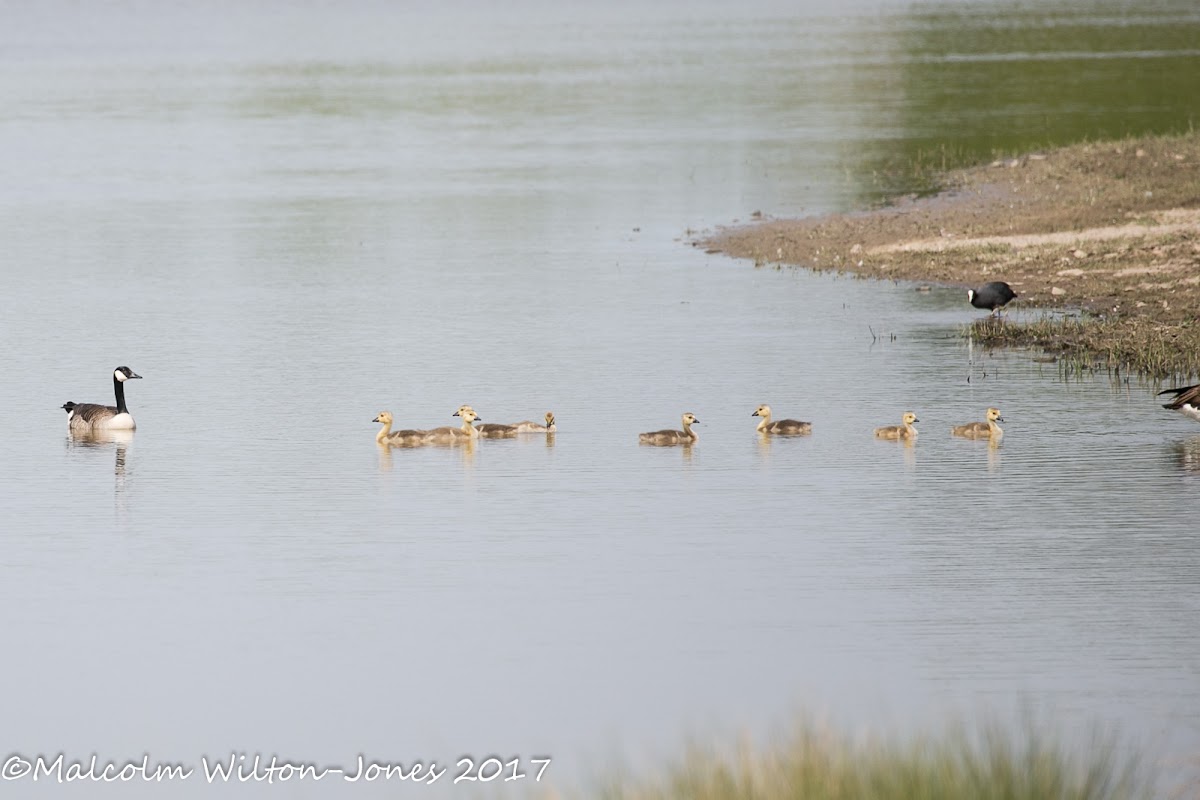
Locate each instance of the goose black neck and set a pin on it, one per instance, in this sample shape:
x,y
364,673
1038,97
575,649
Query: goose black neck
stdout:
x,y
119,388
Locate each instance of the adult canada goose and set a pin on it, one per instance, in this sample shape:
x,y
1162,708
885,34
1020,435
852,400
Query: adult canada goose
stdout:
x,y
89,417
1186,402
783,427
455,435
666,438
536,427
404,438
981,430
904,431
992,296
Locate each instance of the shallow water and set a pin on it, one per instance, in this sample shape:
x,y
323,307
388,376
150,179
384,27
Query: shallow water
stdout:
x,y
288,221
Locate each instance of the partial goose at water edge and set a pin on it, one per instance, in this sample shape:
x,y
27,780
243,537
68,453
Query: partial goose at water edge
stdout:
x,y
1186,402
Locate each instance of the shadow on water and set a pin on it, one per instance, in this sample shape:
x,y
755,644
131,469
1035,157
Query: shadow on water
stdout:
x,y
983,79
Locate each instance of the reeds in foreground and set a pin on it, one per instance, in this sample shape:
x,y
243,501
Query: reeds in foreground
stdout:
x,y
812,764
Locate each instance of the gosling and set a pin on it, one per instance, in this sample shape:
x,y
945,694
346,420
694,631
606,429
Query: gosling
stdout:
x,y
405,438
535,427
981,430
783,427
491,430
466,433
1186,402
904,431
669,438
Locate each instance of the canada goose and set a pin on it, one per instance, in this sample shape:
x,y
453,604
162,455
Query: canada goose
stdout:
x,y
1186,402
535,427
981,430
666,438
992,296
89,417
466,433
905,431
405,438
783,427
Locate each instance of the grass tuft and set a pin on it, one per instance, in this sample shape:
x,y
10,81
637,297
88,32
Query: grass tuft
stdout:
x,y
1152,349
813,764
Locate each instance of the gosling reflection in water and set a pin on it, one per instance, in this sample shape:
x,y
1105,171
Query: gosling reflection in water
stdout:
x,y
993,448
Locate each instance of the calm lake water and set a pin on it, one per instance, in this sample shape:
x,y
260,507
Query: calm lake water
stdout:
x,y
288,218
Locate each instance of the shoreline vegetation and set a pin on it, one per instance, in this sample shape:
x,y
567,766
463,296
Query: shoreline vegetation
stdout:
x,y
962,764
1104,237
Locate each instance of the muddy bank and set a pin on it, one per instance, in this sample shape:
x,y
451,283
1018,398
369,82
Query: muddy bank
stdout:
x,y
1111,228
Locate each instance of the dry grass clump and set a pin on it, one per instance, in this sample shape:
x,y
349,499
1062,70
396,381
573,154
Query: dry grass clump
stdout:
x,y
817,765
1157,350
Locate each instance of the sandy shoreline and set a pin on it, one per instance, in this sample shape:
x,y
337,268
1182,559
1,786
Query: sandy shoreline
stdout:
x,y
1112,228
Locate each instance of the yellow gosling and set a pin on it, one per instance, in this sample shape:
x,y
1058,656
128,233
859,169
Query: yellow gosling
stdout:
x,y
783,427
903,431
668,438
981,430
466,433
536,427
405,438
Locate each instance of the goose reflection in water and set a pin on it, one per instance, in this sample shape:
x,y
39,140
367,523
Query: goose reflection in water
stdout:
x,y
1188,454
118,440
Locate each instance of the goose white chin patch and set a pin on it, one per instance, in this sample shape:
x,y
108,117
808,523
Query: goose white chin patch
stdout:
x,y
119,375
